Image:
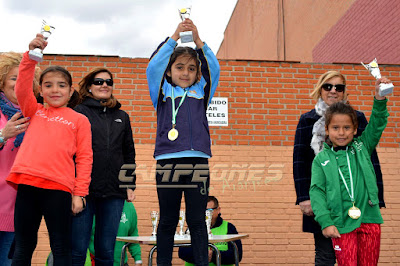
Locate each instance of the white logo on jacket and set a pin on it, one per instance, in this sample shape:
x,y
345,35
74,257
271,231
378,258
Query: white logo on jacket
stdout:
x,y
118,120
123,218
325,163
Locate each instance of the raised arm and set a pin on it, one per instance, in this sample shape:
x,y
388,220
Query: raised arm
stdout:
x,y
26,73
23,87
210,71
378,120
157,66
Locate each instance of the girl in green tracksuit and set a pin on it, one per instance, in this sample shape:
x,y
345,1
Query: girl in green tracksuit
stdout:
x,y
343,192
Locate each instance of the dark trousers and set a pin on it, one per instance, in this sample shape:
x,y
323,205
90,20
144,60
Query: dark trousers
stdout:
x,y
31,205
170,186
107,212
324,253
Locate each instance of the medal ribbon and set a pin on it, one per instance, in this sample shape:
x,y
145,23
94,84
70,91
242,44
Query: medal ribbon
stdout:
x,y
175,112
351,195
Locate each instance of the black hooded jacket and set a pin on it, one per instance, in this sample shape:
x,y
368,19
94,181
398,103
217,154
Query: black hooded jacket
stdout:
x,y
112,147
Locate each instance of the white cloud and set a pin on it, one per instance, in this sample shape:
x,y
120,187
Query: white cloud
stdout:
x,y
127,28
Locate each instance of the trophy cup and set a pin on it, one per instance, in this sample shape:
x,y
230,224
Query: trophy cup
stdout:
x,y
384,88
186,36
37,54
181,223
154,220
209,214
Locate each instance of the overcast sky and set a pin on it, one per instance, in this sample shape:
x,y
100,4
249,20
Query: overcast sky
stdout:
x,y
127,28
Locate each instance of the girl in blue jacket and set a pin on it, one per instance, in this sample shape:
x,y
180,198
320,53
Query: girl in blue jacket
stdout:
x,y
182,82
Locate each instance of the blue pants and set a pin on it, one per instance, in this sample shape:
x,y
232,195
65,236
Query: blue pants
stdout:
x,y
169,199
108,215
6,239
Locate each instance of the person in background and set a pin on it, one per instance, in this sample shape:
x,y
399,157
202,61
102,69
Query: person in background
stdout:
x,y
113,147
127,227
218,227
12,128
310,136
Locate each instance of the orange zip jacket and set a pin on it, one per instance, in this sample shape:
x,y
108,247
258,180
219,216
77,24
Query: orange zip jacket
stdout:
x,y
53,138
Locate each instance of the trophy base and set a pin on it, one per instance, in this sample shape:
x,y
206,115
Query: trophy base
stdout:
x,y
186,36
385,89
36,55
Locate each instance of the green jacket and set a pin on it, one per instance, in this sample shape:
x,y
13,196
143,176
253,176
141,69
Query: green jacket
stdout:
x,y
127,227
330,200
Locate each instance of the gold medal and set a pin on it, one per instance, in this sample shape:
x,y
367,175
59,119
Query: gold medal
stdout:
x,y
173,134
354,212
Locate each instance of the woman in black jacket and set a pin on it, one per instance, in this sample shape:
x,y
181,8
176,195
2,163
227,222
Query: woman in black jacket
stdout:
x,y
112,147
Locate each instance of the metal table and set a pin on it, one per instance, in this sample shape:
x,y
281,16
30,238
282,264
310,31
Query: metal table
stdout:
x,y
181,242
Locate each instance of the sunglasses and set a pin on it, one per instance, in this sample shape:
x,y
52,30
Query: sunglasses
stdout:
x,y
338,87
99,82
211,209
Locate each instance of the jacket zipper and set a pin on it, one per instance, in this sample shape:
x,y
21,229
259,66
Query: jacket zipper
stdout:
x,y
190,128
108,137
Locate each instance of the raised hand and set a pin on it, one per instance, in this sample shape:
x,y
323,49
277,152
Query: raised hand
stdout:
x,y
38,42
379,81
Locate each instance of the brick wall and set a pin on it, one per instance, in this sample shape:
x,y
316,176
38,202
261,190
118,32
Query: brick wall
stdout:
x,y
251,170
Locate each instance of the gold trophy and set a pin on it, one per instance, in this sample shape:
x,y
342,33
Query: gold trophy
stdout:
x,y
37,54
384,88
186,36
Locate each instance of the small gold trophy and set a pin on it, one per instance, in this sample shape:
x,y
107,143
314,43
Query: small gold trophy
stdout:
x,y
186,36
37,54
384,88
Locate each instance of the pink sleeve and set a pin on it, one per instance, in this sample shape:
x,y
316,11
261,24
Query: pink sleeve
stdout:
x,y
84,157
24,86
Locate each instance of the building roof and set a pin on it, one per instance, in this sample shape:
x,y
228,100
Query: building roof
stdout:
x,y
367,30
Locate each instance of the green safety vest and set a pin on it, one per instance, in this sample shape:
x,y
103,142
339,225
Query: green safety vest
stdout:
x,y
222,246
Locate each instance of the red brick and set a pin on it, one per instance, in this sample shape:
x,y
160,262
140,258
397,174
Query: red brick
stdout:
x,y
264,109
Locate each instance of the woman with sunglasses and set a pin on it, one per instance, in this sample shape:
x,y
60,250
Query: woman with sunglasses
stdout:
x,y
113,146
310,136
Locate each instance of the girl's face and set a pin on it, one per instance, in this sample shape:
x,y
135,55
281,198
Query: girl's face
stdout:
x,y
332,96
55,89
341,130
183,71
9,84
102,86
